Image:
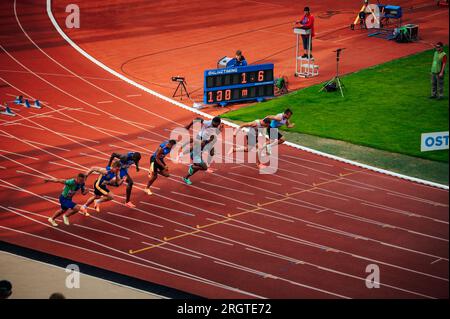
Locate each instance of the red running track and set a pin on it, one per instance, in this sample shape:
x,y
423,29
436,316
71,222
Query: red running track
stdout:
x,y
309,231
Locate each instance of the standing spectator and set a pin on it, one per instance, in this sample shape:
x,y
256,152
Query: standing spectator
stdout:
x,y
438,72
5,289
307,22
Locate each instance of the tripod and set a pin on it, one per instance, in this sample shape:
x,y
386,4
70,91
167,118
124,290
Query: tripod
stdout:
x,y
182,87
336,79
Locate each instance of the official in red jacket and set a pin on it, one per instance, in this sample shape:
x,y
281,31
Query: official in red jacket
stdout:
x,y
307,22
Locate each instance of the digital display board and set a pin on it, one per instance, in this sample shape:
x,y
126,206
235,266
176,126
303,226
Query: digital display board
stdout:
x,y
236,84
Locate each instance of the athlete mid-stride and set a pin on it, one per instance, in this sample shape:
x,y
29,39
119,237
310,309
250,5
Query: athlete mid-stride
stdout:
x,y
108,176
157,164
68,206
126,160
251,137
207,129
277,121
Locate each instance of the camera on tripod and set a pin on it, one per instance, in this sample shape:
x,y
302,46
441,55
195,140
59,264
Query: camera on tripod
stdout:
x,y
335,83
181,86
178,79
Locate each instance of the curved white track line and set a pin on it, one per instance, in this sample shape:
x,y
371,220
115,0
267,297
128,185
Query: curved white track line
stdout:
x,y
174,102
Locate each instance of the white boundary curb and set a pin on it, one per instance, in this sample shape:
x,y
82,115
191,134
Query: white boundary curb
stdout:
x,y
149,91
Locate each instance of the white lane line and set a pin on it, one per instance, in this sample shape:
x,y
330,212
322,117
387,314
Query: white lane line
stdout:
x,y
49,146
204,237
381,206
30,174
198,198
267,215
135,219
234,225
415,198
21,155
79,138
167,208
437,260
133,95
410,197
173,250
107,130
234,190
305,160
59,75
402,212
94,156
55,118
104,102
346,184
80,109
132,122
127,148
253,178
275,255
286,201
66,166
25,125
149,139
384,225
35,115
45,151
101,231
307,243
266,275
327,195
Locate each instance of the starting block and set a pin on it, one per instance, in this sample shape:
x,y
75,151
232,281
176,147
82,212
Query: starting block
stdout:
x,y
37,104
8,111
25,102
19,100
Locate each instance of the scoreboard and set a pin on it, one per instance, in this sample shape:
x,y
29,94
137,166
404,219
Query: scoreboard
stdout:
x,y
254,82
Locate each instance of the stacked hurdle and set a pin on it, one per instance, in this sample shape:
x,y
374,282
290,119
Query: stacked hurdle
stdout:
x,y
19,100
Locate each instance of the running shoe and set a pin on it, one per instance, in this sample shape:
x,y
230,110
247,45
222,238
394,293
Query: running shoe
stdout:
x,y
187,181
66,220
148,191
52,222
97,206
210,170
130,205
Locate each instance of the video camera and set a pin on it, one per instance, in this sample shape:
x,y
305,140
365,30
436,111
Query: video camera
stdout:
x,y
178,78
